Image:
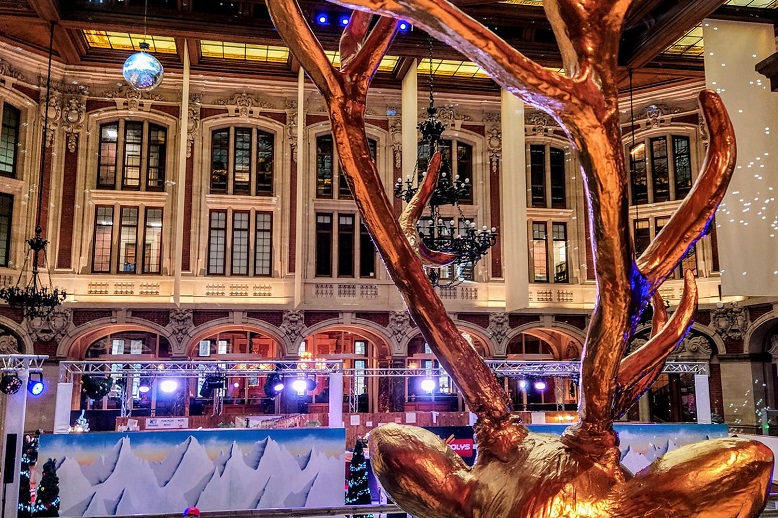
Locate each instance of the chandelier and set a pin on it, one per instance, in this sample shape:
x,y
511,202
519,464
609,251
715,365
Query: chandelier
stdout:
x,y
35,297
466,242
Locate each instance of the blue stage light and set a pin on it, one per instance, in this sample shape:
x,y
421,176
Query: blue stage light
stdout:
x,y
404,26
35,386
322,19
344,21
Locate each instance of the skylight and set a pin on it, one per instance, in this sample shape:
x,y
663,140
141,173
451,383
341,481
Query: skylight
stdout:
x,y
128,41
387,63
244,51
449,67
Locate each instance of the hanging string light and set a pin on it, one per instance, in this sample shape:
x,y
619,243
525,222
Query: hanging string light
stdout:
x,y
468,242
32,295
142,70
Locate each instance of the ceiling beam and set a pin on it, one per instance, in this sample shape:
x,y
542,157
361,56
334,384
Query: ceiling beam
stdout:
x,y
668,21
46,9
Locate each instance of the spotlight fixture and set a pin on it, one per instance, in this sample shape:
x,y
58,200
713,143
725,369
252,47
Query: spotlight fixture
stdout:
x,y
404,26
523,384
310,384
35,386
10,383
144,386
322,19
540,385
343,20
428,384
211,383
299,385
273,384
168,386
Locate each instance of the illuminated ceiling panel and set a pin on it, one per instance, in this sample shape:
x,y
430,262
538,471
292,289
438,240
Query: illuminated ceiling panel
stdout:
x,y
387,64
130,42
688,45
759,4
449,67
244,51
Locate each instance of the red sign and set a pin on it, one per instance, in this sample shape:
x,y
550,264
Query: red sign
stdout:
x,y
464,447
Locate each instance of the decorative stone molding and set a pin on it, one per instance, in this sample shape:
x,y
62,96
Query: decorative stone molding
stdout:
x,y
244,105
399,324
452,119
54,110
291,126
493,117
494,145
656,114
131,99
8,70
293,324
193,124
180,323
539,123
498,326
73,115
52,327
731,322
9,345
773,346
697,346
396,140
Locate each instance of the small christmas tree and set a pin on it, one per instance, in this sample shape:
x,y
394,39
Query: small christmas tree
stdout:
x,y
358,492
29,456
47,501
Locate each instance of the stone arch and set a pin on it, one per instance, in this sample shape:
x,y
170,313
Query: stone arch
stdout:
x,y
759,332
478,332
539,329
9,328
687,350
373,332
75,343
225,324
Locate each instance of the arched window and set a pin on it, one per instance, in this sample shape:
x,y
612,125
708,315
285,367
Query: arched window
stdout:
x,y
242,161
328,185
547,176
457,162
9,140
132,156
660,169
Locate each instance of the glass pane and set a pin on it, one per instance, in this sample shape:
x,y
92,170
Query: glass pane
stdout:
x,y
242,178
324,159
217,242
152,247
265,145
128,240
109,136
240,243
157,155
6,211
638,175
220,142
263,249
345,245
101,255
559,237
464,168
682,162
642,235
367,253
9,140
537,168
133,137
324,245
557,170
539,253
659,169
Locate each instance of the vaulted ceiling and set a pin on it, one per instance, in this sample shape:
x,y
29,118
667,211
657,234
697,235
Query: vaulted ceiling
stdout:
x,y
657,44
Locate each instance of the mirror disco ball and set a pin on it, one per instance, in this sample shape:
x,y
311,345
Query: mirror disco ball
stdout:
x,y
143,71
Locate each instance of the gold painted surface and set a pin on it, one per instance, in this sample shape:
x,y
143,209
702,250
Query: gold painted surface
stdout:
x,y
517,473
128,41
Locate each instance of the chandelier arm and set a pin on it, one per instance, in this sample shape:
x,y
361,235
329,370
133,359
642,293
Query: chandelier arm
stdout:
x,y
413,212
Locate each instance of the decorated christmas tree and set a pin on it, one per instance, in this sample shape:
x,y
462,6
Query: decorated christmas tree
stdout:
x,y
29,456
47,500
358,492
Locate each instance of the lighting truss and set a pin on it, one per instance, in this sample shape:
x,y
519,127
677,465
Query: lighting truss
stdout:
x,y
17,362
196,369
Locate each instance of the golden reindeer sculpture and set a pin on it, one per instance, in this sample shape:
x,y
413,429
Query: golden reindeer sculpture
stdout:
x,y
518,473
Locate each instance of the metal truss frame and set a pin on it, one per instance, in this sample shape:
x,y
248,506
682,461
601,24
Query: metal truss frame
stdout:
x,y
17,362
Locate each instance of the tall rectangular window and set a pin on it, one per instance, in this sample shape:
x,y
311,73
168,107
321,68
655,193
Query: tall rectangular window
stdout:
x,y
464,168
638,173
133,140
220,150
264,164
346,245
128,240
366,253
324,245
9,140
660,171
324,158
359,376
217,239
559,244
240,243
539,253
152,242
263,244
101,254
109,139
557,174
242,175
537,172
682,160
155,181
6,211
642,235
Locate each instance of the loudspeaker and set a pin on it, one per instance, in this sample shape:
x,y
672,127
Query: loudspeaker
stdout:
x,y
9,467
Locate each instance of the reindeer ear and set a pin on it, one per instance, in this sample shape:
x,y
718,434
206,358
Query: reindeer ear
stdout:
x,y
421,472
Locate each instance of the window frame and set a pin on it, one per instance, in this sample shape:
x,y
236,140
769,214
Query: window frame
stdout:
x,y
115,236
231,151
118,165
13,144
229,232
542,184
6,220
646,143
